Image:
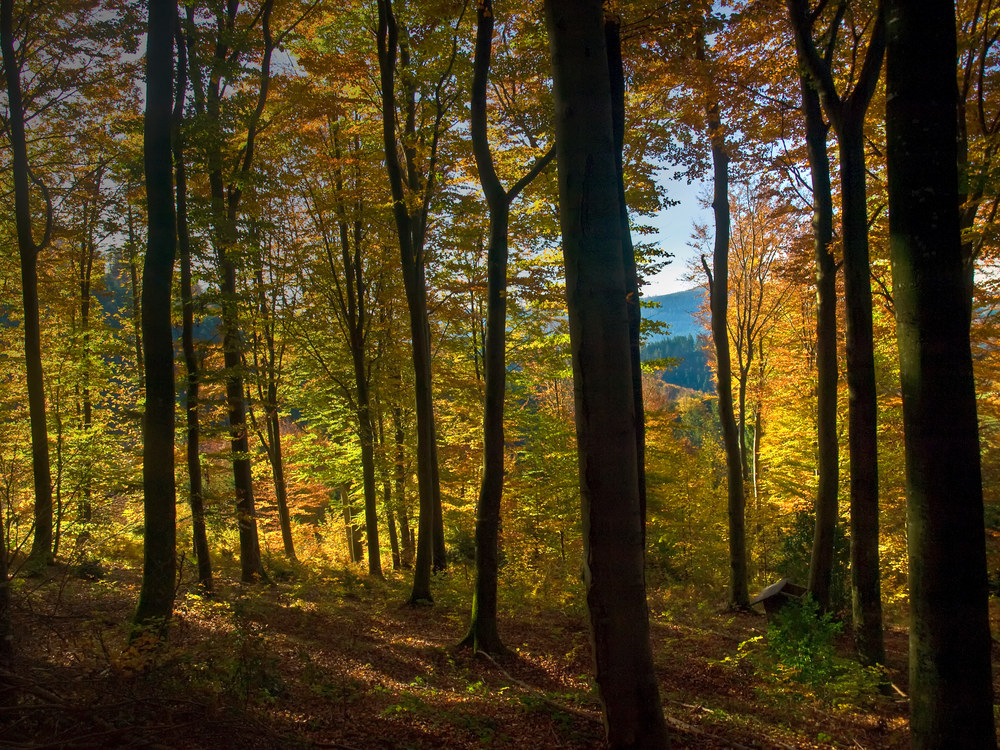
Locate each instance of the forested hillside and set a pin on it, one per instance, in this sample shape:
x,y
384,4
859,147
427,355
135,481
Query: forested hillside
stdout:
x,y
335,414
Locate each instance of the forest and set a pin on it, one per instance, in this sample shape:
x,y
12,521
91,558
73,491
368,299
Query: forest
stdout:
x,y
336,415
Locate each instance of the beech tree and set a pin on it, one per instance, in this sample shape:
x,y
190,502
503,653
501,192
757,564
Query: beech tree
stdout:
x,y
846,111
596,290
196,498
156,597
412,186
483,633
227,182
951,688
827,446
41,545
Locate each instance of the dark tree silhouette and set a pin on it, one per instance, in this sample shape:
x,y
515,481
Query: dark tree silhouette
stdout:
x,y
951,691
590,220
156,597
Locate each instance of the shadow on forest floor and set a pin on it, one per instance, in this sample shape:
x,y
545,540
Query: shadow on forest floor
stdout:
x,y
334,661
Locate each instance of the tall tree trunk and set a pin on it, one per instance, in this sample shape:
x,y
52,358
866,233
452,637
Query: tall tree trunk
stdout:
x,y
251,567
596,288
483,634
828,448
847,114
951,691
156,597
718,286
196,497
41,544
269,366
862,407
225,211
88,250
414,282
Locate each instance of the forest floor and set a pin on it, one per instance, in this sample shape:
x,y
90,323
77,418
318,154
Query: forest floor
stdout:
x,y
334,660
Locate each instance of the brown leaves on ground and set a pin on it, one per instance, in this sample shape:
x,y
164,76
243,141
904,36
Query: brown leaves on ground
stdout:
x,y
336,661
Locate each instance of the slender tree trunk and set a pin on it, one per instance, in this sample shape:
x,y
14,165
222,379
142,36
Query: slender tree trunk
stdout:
x,y
87,252
828,448
6,626
276,458
483,634
156,597
951,690
405,534
390,521
351,526
739,595
590,219
41,544
135,286
196,496
847,114
862,402
411,256
270,372
367,434
225,211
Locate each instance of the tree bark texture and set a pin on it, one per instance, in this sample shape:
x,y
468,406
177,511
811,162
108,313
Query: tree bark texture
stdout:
x,y
596,290
41,544
951,693
156,597
828,448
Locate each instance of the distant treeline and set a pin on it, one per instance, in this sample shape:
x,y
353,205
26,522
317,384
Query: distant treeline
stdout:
x,y
688,361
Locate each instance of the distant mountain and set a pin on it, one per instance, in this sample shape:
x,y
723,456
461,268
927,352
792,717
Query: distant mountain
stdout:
x,y
678,310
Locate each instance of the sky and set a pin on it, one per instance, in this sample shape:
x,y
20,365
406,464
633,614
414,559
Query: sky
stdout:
x,y
674,227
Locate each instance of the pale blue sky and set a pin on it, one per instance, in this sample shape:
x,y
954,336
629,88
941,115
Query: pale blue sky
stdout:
x,y
674,225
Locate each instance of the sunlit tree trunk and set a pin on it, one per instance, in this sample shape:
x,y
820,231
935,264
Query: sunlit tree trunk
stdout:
x,y
951,691
718,287
156,597
827,445
590,220
41,544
